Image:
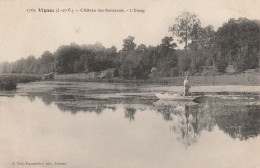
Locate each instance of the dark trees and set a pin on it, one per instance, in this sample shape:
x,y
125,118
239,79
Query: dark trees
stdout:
x,y
238,42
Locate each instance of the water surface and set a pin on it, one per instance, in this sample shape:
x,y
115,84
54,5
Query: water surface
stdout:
x,y
116,125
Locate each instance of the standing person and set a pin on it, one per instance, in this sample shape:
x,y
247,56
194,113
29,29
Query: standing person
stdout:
x,y
186,86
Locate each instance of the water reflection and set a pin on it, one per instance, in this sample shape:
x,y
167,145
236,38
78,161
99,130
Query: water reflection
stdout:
x,y
185,128
236,114
71,100
243,124
188,120
129,133
129,113
237,119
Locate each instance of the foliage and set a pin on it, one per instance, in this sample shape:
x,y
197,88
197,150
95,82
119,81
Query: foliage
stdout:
x,y
8,83
46,63
129,44
184,26
236,43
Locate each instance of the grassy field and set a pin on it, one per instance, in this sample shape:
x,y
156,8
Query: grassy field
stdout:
x,y
235,79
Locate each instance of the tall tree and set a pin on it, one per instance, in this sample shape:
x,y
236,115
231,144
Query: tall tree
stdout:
x,y
203,44
167,44
46,62
203,37
129,44
184,26
167,56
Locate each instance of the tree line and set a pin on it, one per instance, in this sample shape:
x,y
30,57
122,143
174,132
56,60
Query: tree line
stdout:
x,y
236,42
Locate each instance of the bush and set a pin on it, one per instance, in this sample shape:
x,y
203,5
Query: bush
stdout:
x,y
8,83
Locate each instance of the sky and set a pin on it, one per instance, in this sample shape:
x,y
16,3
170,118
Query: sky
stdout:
x,y
26,33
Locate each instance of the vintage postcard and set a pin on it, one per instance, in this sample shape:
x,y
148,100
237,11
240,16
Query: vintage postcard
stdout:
x,y
130,84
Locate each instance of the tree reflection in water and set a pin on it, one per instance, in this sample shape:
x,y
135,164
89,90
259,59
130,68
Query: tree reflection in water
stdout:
x,y
129,113
237,118
183,127
187,121
71,103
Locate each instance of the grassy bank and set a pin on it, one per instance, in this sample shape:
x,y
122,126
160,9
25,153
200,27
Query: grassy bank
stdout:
x,y
10,81
235,79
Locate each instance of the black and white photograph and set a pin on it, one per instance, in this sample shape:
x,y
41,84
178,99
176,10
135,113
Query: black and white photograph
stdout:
x,y
130,84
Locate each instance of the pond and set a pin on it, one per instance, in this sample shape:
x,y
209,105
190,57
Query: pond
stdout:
x,y
98,125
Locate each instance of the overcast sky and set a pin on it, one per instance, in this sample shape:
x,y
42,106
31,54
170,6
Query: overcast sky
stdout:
x,y
24,34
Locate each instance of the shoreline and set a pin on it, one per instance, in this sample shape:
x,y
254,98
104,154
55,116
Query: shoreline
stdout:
x,y
251,79
245,79
150,88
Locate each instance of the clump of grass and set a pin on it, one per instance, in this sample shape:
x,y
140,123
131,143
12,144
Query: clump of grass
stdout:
x,y
8,83
28,78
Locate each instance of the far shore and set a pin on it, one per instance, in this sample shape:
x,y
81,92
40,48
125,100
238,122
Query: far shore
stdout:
x,y
246,79
225,79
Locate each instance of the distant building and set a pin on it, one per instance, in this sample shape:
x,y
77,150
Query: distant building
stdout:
x,y
108,73
153,69
49,76
155,72
230,69
91,75
249,73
